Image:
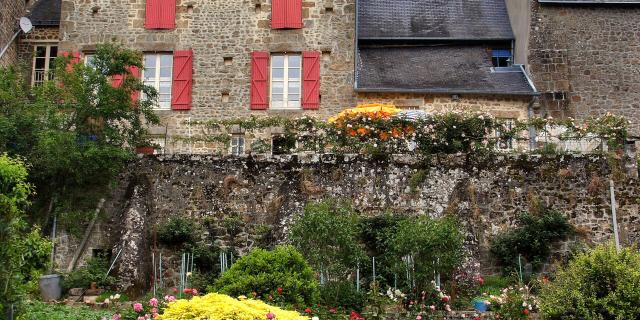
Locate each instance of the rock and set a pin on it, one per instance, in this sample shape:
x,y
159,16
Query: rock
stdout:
x,y
76,291
89,299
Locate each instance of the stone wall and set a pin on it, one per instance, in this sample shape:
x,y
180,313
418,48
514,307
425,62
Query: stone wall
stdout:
x,y
259,192
221,29
589,56
39,35
10,14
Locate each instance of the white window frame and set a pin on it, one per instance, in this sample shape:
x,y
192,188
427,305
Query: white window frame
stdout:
x,y
285,82
48,57
166,105
237,145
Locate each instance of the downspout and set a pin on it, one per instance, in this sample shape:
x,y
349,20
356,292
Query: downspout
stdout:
x,y
356,47
530,114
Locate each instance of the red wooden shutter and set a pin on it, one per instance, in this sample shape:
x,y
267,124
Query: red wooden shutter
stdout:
x,y
160,14
311,80
75,58
135,72
259,80
286,14
182,80
117,80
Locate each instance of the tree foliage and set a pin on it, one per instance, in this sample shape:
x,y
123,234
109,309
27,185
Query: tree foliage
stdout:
x,y
23,253
327,235
79,130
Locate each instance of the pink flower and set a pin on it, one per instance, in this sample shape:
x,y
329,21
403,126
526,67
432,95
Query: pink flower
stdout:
x,y
433,308
419,317
137,307
169,298
115,317
194,292
270,315
154,310
153,302
140,318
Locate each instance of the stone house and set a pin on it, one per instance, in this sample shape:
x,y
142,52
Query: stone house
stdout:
x,y
583,56
440,55
224,59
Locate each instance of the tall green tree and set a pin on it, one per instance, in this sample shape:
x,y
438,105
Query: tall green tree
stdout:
x,y
23,253
78,131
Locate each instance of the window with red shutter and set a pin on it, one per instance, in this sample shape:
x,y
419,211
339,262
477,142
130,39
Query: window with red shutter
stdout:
x,y
259,80
75,58
118,79
182,80
286,14
311,80
160,14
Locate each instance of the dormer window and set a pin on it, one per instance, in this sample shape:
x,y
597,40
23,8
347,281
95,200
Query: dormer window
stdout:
x,y
501,57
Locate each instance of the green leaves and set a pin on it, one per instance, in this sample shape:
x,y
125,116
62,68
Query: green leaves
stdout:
x,y
327,235
263,272
600,284
532,239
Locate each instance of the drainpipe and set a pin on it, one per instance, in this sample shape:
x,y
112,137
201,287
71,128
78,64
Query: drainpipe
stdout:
x,y
532,130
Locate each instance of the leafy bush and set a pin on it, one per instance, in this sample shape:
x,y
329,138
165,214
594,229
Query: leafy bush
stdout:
x,y
514,303
178,231
375,234
601,284
95,271
23,251
343,295
327,235
262,272
532,239
436,245
221,307
36,310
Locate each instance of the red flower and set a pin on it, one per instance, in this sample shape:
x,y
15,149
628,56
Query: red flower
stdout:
x,y
355,316
279,290
308,310
175,290
333,310
445,299
525,311
186,290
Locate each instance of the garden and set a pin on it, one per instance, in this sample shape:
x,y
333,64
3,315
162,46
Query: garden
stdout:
x,y
64,143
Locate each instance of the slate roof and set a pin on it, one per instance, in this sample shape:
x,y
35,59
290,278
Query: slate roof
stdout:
x,y
434,19
591,1
449,69
46,13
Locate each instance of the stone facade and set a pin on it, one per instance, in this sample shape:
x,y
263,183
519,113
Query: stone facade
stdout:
x,y
585,60
487,197
9,17
40,35
222,35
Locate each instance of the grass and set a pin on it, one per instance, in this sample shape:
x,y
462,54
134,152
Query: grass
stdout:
x,y
36,310
493,285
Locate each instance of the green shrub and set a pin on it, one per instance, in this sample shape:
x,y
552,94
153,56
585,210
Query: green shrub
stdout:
x,y
95,271
342,294
327,235
36,310
436,245
179,231
375,234
262,272
601,284
532,239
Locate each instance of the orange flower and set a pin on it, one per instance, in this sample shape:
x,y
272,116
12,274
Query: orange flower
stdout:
x,y
384,136
362,131
409,130
396,132
351,132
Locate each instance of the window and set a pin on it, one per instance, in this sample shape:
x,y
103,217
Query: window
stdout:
x,y
505,144
282,145
88,60
237,145
285,81
43,63
157,73
501,57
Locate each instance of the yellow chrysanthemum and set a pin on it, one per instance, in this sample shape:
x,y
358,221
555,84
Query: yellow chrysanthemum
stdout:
x,y
216,306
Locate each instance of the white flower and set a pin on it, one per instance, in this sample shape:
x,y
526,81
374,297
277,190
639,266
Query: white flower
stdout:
x,y
315,318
